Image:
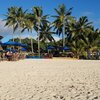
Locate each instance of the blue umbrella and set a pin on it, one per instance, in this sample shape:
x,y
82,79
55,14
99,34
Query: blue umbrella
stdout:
x,y
14,44
9,43
50,47
23,49
13,50
22,45
64,48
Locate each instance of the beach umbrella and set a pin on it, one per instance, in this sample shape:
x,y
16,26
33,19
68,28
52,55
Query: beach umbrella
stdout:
x,y
14,44
64,48
22,45
51,47
9,43
13,50
23,49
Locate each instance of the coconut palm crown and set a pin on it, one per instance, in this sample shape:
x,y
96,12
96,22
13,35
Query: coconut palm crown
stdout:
x,y
61,20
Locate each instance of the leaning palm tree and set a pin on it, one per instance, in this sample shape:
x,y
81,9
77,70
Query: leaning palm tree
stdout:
x,y
10,19
61,20
40,19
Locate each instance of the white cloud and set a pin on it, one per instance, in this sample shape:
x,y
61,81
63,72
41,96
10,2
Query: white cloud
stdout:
x,y
4,30
7,32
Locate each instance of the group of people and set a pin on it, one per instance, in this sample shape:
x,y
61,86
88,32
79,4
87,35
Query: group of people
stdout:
x,y
12,56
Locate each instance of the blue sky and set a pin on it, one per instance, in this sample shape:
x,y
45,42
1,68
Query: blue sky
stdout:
x,y
89,8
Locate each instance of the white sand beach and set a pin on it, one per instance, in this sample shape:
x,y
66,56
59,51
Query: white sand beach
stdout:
x,y
50,79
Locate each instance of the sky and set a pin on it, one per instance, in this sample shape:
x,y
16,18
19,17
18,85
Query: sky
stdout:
x,y
89,8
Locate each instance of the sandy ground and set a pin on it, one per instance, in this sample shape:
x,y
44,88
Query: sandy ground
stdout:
x,y
50,79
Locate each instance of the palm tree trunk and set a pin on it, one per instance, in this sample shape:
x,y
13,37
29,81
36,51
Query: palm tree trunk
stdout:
x,y
13,34
31,42
20,34
89,53
77,54
20,38
38,40
63,35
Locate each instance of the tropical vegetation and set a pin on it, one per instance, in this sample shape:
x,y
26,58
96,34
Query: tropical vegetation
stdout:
x,y
82,38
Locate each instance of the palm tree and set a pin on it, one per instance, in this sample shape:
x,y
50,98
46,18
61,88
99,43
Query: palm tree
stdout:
x,y
29,25
78,31
77,47
80,28
40,19
10,19
15,18
20,16
91,41
61,21
46,33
